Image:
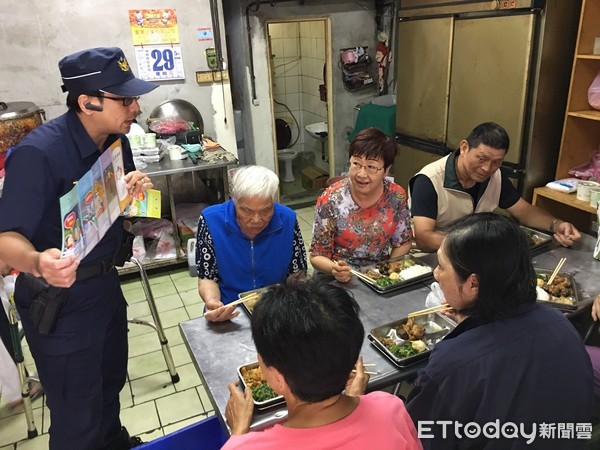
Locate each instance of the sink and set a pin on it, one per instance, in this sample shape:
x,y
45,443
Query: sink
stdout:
x,y
317,130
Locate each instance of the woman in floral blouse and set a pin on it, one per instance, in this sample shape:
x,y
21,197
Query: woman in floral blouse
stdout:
x,y
364,218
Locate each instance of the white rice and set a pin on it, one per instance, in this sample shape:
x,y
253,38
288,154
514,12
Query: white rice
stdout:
x,y
414,271
542,294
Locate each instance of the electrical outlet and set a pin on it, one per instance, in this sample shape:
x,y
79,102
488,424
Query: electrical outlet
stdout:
x,y
204,77
217,74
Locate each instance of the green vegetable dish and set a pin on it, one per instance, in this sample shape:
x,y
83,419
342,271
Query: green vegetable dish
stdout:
x,y
263,392
403,350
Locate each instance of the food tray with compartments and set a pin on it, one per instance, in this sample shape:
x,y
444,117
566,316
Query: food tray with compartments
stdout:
x,y
562,293
250,304
434,326
395,273
260,404
536,239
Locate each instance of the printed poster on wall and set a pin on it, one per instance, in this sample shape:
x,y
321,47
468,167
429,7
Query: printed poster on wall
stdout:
x,y
153,26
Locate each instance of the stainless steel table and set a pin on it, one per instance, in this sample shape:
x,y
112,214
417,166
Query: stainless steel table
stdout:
x,y
219,349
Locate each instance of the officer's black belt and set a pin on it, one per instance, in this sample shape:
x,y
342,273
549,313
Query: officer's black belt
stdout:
x,y
95,269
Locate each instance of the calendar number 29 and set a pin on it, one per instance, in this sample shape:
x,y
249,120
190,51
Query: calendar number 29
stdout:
x,y
163,59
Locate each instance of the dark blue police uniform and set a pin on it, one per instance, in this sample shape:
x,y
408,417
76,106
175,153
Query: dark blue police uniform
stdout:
x,y
83,362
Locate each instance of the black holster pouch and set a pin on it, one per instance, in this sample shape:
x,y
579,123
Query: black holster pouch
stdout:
x,y
46,301
125,250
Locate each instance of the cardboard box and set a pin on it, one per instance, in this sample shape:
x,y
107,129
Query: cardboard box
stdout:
x,y
314,178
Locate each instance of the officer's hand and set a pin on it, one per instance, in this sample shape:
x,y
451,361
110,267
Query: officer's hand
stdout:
x,y
57,271
137,182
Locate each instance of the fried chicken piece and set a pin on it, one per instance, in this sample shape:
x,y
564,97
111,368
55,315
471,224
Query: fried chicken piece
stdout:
x,y
413,330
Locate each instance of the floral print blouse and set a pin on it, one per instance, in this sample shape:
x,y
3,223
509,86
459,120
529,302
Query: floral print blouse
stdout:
x,y
343,230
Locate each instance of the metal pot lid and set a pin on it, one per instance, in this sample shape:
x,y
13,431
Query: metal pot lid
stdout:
x,y
178,109
17,110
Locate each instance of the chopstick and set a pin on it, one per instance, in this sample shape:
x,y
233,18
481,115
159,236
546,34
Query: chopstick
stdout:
x,y
558,267
362,276
253,296
367,372
439,308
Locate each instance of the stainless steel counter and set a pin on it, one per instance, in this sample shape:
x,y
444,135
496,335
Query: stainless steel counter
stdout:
x,y
219,349
166,167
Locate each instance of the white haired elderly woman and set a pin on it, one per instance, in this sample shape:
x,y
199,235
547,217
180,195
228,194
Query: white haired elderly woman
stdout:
x,y
246,243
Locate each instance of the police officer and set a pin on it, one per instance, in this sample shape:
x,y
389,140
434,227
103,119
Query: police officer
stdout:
x,y
82,361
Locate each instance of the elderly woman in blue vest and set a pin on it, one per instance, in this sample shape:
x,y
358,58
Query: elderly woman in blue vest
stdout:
x,y
246,243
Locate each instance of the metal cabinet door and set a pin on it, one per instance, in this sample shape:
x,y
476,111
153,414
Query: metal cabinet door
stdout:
x,y
423,66
489,77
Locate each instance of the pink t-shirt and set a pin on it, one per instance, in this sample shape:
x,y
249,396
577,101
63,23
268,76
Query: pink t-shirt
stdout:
x,y
380,421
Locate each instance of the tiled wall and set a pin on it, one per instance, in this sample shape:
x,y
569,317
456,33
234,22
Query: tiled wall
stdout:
x,y
298,55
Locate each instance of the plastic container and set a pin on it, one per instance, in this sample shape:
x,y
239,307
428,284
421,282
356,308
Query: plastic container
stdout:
x,y
191,255
206,435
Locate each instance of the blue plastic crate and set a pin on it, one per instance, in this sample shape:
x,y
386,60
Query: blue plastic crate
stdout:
x,y
207,434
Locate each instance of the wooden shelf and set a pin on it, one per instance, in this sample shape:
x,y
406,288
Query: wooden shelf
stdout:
x,y
581,128
561,197
566,207
591,114
588,56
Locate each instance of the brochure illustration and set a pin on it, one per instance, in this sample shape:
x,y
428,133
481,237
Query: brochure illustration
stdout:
x,y
97,200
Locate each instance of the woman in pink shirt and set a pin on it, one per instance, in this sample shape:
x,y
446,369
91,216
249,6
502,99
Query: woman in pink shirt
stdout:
x,y
308,338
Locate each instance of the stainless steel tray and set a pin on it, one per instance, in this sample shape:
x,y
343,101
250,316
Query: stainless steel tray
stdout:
x,y
561,302
399,284
436,326
264,404
249,306
536,239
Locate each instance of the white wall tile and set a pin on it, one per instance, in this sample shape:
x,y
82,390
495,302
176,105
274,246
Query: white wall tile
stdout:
x,y
277,48
293,68
317,29
292,85
304,29
293,101
278,86
304,46
290,47
290,30
276,30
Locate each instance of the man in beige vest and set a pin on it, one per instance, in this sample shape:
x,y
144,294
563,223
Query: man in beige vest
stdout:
x,y
468,181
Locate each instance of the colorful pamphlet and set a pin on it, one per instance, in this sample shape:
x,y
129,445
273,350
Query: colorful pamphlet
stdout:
x,y
145,204
97,200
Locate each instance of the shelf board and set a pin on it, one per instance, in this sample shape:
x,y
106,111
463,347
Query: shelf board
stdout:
x,y
566,199
588,56
590,114
150,264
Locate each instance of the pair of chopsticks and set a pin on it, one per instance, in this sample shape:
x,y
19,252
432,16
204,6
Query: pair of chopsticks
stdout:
x,y
440,308
367,372
252,296
362,276
558,267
